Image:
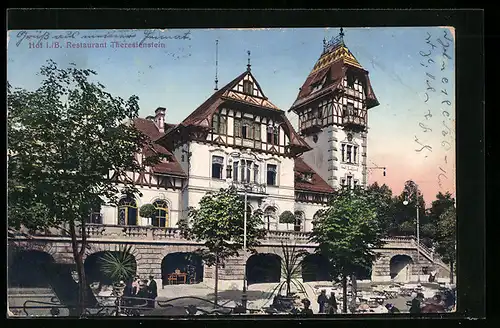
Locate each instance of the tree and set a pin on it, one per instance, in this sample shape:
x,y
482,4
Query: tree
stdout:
x,y
381,196
218,223
347,232
66,140
408,213
287,217
446,238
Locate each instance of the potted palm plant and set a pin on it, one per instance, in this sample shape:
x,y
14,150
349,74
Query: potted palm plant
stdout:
x,y
291,266
119,267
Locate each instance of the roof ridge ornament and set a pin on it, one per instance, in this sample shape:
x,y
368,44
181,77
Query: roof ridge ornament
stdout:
x,y
248,65
334,42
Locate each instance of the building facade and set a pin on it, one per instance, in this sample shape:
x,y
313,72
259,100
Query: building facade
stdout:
x,y
239,137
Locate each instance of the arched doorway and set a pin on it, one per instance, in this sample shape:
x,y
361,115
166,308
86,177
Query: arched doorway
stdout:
x,y
30,269
400,268
263,268
315,268
94,267
186,263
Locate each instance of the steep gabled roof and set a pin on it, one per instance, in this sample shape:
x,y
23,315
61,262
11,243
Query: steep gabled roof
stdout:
x,y
317,184
330,69
232,92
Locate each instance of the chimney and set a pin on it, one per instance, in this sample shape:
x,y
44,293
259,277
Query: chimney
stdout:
x,y
160,119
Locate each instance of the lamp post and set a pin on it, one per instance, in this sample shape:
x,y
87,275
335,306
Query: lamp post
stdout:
x,y
246,185
405,202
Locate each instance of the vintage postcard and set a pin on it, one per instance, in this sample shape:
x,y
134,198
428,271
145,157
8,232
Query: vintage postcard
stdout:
x,y
162,173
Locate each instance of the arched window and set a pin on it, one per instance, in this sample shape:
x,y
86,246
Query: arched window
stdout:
x,y
299,221
127,211
161,216
270,218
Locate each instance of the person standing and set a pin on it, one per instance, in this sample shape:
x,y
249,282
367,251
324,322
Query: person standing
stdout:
x,y
332,304
322,300
135,286
415,307
152,291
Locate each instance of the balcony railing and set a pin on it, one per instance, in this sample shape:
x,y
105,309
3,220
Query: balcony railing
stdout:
x,y
353,120
252,188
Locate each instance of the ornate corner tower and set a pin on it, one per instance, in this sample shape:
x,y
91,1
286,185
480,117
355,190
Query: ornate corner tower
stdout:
x,y
332,106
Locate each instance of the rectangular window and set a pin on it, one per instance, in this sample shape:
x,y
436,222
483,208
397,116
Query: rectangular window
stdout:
x,y
355,153
269,137
349,181
243,171
217,167
349,150
343,153
249,172
356,183
342,182
222,129
244,131
276,136
248,87
256,131
350,109
237,127
271,174
235,171
256,173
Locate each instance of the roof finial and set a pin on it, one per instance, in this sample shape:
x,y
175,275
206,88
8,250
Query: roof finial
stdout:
x,y
248,65
341,35
216,63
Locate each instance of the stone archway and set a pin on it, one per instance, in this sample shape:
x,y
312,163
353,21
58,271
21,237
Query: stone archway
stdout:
x,y
315,268
400,267
263,268
189,263
30,269
93,267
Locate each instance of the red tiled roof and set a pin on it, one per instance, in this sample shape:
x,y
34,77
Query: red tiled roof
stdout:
x,y
317,184
148,128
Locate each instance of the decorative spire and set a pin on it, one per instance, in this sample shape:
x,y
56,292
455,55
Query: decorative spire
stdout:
x,y
216,63
324,43
341,33
248,65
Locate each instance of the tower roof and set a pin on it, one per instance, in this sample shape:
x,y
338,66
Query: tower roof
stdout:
x,y
330,69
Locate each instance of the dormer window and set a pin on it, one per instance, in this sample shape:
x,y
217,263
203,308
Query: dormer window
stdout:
x,y
308,177
248,87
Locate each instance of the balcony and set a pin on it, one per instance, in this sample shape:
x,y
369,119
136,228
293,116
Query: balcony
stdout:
x,y
251,188
310,125
355,122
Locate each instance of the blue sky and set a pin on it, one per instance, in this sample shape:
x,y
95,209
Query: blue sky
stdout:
x,y
180,77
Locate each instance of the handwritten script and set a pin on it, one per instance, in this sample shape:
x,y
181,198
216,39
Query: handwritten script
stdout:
x,y
437,87
141,36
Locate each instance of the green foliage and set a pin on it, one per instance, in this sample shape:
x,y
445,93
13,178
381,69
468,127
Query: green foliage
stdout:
x,y
287,217
64,139
383,202
119,266
348,231
446,235
291,268
147,211
218,224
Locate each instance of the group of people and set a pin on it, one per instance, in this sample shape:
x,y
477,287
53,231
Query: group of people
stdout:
x,y
138,289
441,302
327,304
